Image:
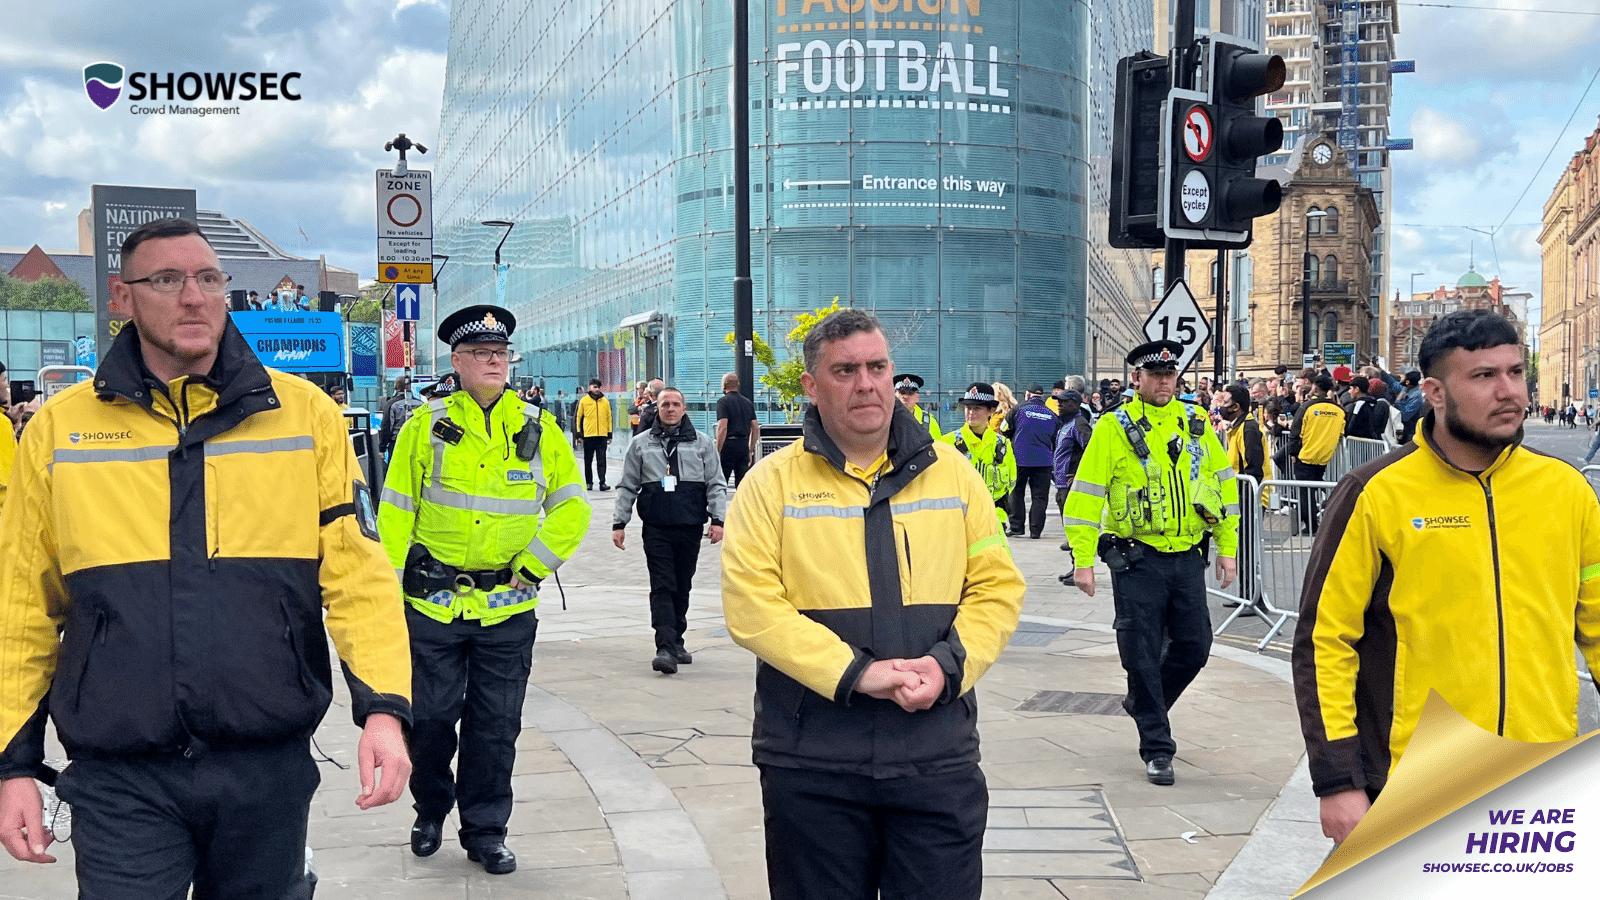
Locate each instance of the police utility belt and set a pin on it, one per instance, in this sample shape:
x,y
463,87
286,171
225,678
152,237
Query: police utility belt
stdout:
x,y
424,575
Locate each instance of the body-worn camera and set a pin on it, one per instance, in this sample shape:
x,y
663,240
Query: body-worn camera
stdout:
x,y
448,431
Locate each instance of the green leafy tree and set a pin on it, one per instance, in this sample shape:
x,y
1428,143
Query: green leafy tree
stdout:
x,y
50,293
784,378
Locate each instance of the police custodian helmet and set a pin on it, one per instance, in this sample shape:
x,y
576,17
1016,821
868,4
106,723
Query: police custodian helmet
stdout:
x,y
477,324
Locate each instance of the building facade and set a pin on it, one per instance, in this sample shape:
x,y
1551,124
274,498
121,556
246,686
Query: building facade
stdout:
x,y
1413,317
928,160
1569,243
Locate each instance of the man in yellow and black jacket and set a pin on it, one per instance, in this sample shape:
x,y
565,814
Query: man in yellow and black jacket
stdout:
x,y
1463,563
864,567
1313,439
185,521
592,422
481,504
1156,472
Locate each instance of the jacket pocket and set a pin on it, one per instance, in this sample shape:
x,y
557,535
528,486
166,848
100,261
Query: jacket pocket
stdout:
x,y
97,637
294,645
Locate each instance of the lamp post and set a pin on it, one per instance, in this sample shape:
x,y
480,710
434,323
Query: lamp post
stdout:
x,y
1413,294
433,362
1305,285
499,273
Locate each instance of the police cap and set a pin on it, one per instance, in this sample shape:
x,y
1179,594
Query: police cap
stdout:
x,y
478,324
979,394
1156,356
905,384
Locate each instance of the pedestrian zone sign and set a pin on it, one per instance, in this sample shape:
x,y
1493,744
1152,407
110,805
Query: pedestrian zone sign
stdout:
x,y
1179,318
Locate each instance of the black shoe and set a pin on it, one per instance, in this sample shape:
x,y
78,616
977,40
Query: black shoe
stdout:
x,y
1035,537
682,656
588,487
1159,770
1250,610
605,487
496,859
425,837
666,662
1067,546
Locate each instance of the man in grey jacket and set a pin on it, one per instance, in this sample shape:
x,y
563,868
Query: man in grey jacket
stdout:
x,y
675,474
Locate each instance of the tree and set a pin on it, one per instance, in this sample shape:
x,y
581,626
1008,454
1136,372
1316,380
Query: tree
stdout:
x,y
784,379
50,293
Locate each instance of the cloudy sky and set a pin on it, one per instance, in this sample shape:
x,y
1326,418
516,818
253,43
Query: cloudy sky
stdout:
x,y
1493,90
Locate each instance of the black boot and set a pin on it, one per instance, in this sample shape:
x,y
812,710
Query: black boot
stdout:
x,y
665,662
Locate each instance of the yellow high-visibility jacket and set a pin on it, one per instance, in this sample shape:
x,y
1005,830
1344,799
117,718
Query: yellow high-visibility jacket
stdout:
x,y
187,538
1427,577
593,418
927,420
1318,426
1156,511
823,573
475,505
8,455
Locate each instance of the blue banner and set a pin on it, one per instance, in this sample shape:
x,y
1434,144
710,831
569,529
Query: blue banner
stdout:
x,y
363,348
296,341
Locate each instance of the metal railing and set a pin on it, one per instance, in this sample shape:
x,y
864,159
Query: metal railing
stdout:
x,y
1281,544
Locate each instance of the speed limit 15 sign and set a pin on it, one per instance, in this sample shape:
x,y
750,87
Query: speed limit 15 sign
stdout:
x,y
1179,318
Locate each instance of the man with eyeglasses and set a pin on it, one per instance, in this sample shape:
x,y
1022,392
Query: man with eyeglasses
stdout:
x,y
184,522
461,516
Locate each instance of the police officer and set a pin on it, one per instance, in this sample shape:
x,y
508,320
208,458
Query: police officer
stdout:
x,y
987,449
909,389
461,516
1156,467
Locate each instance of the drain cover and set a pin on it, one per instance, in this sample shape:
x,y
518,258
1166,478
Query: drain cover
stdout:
x,y
1075,702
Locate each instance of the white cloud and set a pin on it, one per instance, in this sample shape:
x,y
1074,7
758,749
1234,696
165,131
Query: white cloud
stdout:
x,y
1442,138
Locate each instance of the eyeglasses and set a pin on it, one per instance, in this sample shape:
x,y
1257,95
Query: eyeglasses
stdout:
x,y
171,281
483,355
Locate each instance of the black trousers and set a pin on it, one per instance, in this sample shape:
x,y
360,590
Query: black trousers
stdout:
x,y
735,455
1033,480
1310,499
834,836
594,452
231,822
476,675
670,553
1164,637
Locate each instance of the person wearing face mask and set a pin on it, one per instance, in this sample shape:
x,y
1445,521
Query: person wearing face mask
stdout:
x,y
1156,471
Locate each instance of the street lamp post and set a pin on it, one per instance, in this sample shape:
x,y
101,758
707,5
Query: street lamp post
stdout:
x,y
499,273
1305,285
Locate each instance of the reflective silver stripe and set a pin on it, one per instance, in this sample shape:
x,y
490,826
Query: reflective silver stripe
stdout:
x,y
1230,509
1226,473
544,554
932,503
272,445
1069,521
1088,487
562,495
473,503
507,598
132,454
397,500
812,512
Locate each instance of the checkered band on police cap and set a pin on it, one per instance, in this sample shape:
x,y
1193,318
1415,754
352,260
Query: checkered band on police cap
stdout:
x,y
488,325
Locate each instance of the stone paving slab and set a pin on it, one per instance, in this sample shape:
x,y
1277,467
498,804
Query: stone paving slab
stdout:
x,y
630,784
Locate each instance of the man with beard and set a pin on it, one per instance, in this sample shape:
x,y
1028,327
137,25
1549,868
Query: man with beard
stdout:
x,y
675,473
1400,596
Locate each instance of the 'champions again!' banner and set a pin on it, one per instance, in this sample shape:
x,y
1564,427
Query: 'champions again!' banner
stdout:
x,y
1470,814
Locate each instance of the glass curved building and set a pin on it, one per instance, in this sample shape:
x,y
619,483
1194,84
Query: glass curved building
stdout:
x,y
928,160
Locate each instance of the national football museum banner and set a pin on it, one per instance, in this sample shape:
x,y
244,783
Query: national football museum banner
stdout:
x,y
1470,814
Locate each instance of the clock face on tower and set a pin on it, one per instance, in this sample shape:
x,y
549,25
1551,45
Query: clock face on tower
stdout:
x,y
1322,153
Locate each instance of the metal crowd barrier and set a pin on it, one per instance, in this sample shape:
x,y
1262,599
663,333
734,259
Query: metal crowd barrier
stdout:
x,y
1592,473
1353,453
1274,549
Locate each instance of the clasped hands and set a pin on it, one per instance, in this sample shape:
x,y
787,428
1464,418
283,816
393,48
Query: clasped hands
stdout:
x,y
912,683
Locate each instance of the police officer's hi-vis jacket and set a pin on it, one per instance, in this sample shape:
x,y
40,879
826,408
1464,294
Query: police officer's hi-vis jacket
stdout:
x,y
824,572
992,456
187,539
927,420
477,506
1153,499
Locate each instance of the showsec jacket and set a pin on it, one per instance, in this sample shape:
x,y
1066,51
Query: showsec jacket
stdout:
x,y
1425,576
1318,426
699,492
823,573
8,455
187,538
477,506
593,417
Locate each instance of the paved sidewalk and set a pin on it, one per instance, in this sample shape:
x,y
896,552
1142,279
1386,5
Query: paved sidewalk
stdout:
x,y
631,784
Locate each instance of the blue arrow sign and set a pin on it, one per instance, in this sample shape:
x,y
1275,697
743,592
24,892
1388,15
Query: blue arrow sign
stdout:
x,y
408,302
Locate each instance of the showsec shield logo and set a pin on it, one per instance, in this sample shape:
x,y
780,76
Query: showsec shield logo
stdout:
x,y
103,82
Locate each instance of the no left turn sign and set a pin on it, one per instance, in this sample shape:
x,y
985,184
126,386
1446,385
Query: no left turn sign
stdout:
x,y
1197,133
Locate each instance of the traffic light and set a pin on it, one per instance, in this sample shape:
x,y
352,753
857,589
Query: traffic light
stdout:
x,y
1238,76
1212,139
1142,84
